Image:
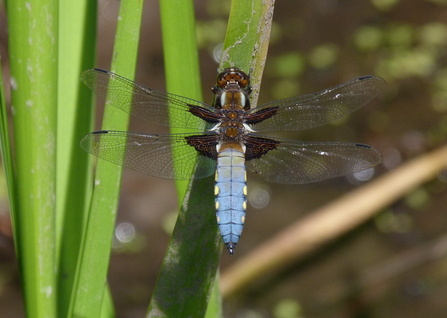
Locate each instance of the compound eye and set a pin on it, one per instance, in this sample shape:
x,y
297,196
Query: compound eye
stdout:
x,y
243,81
222,81
224,77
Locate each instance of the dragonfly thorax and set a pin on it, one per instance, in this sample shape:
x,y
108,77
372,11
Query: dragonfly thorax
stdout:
x,y
232,100
232,116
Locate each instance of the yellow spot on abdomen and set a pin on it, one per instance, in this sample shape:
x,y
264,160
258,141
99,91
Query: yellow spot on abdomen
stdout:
x,y
217,205
244,205
243,219
216,189
244,190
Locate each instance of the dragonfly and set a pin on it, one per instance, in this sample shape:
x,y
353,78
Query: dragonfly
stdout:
x,y
226,140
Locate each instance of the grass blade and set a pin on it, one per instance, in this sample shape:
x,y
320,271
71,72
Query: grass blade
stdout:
x,y
193,254
93,266
33,55
6,150
247,39
77,25
194,251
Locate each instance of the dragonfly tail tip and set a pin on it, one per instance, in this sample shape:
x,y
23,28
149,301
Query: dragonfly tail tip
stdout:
x,y
231,247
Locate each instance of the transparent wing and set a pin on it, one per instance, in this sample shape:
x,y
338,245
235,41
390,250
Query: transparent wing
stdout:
x,y
155,155
297,162
145,103
313,110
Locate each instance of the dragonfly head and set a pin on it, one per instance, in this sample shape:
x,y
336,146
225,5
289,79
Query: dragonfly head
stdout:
x,y
233,75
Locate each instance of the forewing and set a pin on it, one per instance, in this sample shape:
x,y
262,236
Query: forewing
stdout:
x,y
313,110
297,162
145,103
163,156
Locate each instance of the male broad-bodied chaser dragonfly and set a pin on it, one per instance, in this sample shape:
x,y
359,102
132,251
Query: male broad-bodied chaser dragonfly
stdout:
x,y
232,144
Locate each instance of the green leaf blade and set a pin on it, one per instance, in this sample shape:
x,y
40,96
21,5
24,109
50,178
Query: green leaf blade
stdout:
x,y
185,281
33,53
90,285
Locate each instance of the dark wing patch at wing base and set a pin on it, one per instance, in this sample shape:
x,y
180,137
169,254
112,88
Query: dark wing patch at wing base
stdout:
x,y
257,146
204,144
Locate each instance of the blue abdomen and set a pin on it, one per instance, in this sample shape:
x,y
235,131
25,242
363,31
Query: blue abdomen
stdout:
x,y
231,192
